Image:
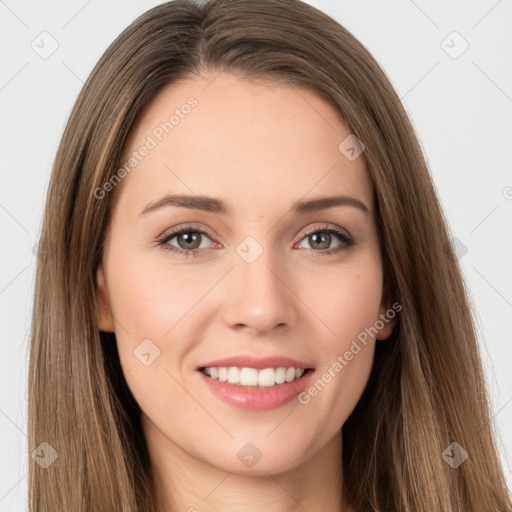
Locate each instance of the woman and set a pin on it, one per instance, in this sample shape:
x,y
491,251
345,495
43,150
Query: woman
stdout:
x,y
193,348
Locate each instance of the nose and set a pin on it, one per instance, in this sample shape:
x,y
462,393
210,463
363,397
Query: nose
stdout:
x,y
259,295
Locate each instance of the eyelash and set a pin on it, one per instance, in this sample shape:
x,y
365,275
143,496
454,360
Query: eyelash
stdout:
x,y
348,240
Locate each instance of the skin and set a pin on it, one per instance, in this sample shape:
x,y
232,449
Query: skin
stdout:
x,y
258,146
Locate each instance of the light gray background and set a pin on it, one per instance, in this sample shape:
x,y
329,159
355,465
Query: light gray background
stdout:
x,y
461,108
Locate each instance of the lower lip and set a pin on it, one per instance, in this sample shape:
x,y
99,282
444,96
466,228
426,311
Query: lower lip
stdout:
x,y
253,398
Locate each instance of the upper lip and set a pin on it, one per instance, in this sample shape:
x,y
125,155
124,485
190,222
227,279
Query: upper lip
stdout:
x,y
259,363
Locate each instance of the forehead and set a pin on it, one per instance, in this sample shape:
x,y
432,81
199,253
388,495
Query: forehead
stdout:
x,y
256,144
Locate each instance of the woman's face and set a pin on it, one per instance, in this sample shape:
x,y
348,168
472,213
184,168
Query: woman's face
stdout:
x,y
266,278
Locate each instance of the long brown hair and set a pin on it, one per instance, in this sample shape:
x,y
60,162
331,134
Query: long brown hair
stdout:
x,y
426,389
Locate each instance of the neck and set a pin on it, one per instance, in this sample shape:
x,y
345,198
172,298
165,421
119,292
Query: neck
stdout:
x,y
184,483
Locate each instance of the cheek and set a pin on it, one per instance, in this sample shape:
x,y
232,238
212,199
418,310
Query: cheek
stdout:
x,y
155,308
348,303
150,296
151,309
348,308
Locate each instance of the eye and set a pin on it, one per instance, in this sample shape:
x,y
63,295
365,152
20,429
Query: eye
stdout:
x,y
322,238
189,241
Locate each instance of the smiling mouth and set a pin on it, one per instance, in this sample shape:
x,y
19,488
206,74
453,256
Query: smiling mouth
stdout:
x,y
255,378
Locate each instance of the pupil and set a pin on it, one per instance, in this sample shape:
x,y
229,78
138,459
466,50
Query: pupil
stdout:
x,y
316,238
190,239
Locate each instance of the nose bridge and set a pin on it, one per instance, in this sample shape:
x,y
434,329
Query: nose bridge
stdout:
x,y
258,296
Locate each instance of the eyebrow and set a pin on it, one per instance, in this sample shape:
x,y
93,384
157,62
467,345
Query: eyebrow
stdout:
x,y
213,205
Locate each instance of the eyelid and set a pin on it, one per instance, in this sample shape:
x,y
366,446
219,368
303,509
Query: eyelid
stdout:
x,y
185,227
327,227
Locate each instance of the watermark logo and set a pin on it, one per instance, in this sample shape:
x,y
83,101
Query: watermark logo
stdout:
x,y
459,248
44,250
454,45
249,454
44,45
45,455
249,249
351,147
342,360
454,455
146,352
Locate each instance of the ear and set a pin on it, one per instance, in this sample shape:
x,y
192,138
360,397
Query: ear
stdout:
x,y
105,316
387,319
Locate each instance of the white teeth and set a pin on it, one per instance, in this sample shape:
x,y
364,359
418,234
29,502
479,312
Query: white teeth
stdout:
x,y
233,375
267,377
248,377
280,375
245,376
